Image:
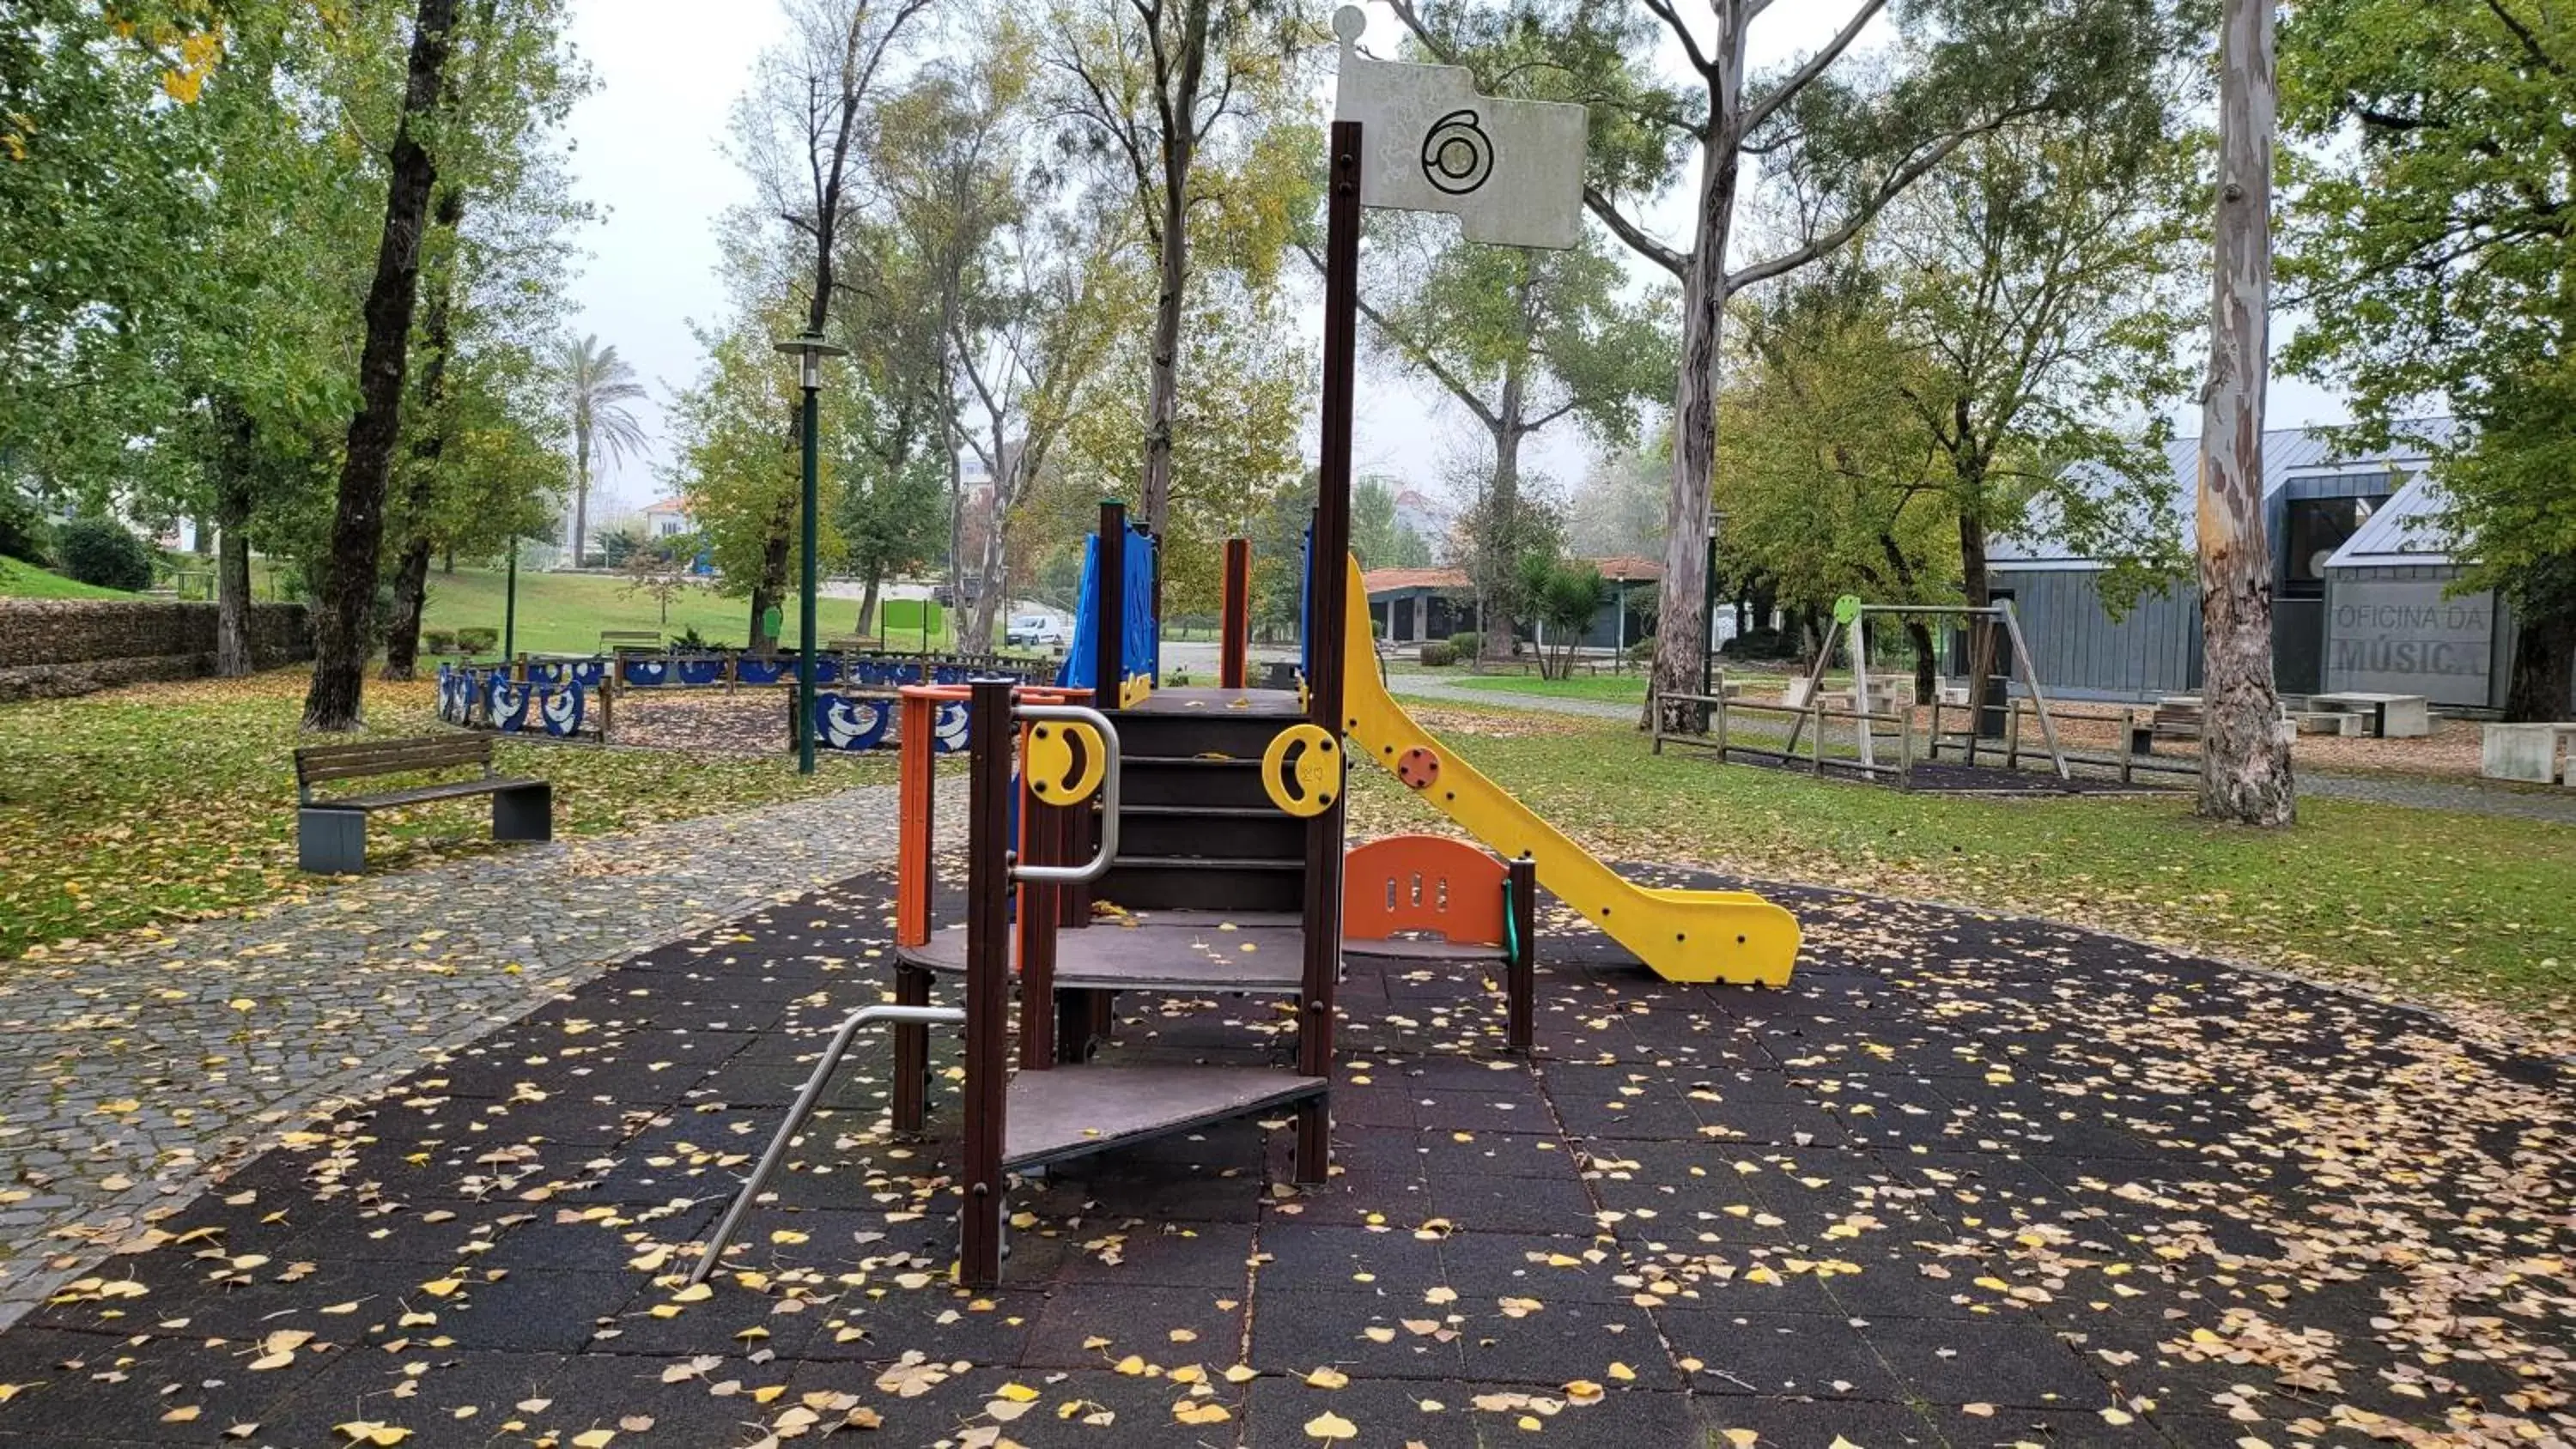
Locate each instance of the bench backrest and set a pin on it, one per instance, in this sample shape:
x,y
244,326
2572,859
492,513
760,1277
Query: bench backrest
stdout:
x,y
630,638
320,764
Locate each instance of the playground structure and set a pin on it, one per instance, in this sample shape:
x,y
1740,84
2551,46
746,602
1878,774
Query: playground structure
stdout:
x,y
1189,842
1881,722
1208,823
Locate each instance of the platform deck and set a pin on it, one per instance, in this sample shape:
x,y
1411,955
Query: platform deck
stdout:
x,y
1073,1111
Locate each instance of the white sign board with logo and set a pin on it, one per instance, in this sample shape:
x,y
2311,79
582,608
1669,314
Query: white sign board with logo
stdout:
x,y
1510,171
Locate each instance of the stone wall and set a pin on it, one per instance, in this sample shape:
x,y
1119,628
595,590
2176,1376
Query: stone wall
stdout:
x,y
50,648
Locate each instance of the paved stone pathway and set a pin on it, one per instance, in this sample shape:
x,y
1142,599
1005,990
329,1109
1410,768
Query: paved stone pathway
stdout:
x,y
131,1074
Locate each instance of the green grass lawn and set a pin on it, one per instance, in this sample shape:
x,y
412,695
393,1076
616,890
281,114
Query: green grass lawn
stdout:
x,y
2427,904
144,806
22,580
564,613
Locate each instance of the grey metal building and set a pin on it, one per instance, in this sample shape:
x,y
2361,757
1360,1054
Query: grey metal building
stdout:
x,y
2317,500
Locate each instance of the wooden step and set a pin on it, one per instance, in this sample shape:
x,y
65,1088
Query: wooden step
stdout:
x,y
1074,1111
1206,883
1156,955
1211,830
1146,779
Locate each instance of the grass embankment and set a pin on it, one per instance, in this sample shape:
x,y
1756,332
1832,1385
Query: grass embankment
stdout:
x,y
564,613
22,580
2429,904
160,803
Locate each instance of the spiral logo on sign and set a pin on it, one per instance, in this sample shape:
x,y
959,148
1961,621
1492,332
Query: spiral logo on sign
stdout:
x,y
1457,155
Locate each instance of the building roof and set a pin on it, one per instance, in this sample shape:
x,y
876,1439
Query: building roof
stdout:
x,y
2287,453
1636,568
1632,567
1388,581
667,505
2404,530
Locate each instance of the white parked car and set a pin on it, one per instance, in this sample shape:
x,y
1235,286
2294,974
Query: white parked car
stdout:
x,y
1036,631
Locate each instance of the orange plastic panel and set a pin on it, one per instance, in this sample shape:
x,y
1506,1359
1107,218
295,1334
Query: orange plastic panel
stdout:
x,y
1426,883
916,772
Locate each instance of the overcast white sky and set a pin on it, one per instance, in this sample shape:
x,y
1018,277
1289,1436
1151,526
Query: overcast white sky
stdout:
x,y
649,151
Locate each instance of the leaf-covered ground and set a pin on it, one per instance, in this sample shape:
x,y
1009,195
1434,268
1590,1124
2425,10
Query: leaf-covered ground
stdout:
x,y
1967,1182
140,807
2474,912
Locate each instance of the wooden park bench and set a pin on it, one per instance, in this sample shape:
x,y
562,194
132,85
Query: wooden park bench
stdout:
x,y
621,641
331,835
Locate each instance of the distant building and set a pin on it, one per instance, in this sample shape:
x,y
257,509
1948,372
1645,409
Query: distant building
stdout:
x,y
1426,516
2359,581
669,518
1411,606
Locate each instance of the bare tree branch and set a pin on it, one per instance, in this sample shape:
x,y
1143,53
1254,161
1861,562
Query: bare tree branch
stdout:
x,y
1805,75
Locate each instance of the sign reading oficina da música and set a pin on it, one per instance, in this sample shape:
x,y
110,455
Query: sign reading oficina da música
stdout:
x,y
1510,171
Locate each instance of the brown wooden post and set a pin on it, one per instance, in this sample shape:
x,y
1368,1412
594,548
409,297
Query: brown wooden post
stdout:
x,y
1109,632
1232,649
911,1054
1330,618
1521,971
988,982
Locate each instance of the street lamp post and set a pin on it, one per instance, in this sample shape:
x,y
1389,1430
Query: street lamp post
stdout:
x,y
510,604
809,350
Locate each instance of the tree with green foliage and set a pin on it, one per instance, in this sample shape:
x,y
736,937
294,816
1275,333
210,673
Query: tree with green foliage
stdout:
x,y
802,134
600,393
2042,275
1520,339
730,461
1841,134
2432,242
1564,597
1379,538
334,702
1196,107
1830,479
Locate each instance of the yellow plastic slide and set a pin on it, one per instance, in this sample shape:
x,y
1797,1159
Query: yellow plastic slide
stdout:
x,y
1732,936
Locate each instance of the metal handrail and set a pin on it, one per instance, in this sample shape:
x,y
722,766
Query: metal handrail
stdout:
x,y
1099,864
796,1115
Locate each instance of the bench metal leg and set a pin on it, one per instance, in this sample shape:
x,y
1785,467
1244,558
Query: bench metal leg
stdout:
x,y
906,1016
524,812
331,842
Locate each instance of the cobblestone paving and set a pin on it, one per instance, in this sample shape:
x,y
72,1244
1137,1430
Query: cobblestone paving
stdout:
x,y
131,1074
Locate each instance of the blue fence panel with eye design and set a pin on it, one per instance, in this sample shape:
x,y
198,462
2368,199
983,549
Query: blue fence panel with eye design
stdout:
x,y
842,722
643,673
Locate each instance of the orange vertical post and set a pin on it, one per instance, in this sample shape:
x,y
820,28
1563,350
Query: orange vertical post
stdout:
x,y
916,774
1238,613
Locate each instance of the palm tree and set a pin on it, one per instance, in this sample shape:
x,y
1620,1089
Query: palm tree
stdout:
x,y
601,385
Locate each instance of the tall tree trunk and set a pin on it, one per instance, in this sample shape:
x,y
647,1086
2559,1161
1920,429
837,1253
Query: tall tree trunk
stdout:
x,y
1681,610
978,638
580,492
447,560
233,657
1500,627
2544,668
1178,95
420,485
335,700
868,600
2245,761
770,590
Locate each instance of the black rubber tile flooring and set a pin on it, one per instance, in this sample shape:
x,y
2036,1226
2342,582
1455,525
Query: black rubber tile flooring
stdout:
x,y
1968,1182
